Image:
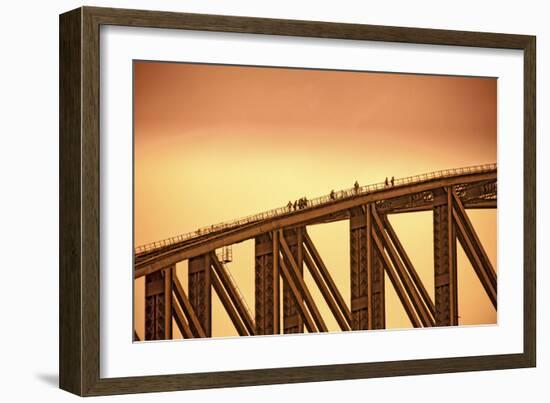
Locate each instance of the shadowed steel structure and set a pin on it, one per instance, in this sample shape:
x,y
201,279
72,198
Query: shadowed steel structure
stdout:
x,y
284,250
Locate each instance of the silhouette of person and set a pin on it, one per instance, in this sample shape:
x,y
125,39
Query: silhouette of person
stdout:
x,y
386,181
332,195
392,180
356,187
289,205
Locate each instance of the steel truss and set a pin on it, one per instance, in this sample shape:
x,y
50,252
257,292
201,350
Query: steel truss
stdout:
x,y
283,301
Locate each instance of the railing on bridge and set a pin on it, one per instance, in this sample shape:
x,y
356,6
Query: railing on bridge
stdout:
x,y
330,198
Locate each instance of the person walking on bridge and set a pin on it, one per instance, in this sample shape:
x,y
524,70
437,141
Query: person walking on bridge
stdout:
x,y
356,187
392,181
386,182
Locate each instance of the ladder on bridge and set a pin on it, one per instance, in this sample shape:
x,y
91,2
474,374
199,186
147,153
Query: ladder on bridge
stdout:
x,y
225,254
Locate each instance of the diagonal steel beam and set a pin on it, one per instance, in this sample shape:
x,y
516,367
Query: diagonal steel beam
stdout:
x,y
475,260
415,288
181,322
409,266
396,283
327,277
228,305
232,293
469,227
310,325
188,309
325,292
302,288
421,309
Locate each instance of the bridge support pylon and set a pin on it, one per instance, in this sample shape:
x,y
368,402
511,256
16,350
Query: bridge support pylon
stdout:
x,y
446,295
367,273
266,283
200,290
158,305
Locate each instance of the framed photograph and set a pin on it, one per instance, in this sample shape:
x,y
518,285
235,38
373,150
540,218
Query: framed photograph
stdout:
x,y
250,201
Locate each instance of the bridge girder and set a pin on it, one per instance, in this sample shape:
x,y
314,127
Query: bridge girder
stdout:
x,y
282,251
196,247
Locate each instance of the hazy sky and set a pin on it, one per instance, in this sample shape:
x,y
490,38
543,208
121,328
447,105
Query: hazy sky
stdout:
x,y
214,143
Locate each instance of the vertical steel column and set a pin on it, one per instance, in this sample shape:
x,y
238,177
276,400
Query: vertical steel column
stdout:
x,y
168,273
158,305
292,321
266,284
378,289
359,270
200,290
446,300
367,274
276,300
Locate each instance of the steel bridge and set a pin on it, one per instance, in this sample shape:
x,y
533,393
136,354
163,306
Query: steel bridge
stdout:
x,y
283,250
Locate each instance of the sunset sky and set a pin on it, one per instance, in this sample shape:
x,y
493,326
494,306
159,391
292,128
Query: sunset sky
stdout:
x,y
214,143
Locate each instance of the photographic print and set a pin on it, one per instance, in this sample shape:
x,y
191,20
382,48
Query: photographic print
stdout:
x,y
275,201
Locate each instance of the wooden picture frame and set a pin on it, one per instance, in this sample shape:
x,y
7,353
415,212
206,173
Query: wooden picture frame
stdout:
x,y
79,346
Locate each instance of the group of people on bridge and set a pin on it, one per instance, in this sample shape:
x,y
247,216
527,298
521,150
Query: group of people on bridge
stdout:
x,y
299,204
302,202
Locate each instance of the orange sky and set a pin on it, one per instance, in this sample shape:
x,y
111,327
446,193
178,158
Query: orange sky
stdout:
x,y
213,143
